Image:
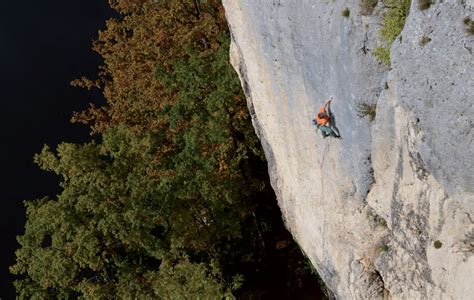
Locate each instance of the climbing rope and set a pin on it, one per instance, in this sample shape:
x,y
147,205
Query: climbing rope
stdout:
x,y
323,234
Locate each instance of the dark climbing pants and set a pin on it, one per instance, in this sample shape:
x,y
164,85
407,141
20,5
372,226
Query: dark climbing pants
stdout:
x,y
326,131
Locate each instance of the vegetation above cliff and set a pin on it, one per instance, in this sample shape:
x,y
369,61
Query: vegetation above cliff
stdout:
x,y
172,200
393,22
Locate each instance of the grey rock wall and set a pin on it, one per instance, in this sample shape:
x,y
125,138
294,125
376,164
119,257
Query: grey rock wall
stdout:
x,y
368,209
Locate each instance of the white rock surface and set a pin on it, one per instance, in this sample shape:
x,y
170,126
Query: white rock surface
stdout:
x,y
367,209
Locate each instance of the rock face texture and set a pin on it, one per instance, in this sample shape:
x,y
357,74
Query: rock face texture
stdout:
x,y
386,212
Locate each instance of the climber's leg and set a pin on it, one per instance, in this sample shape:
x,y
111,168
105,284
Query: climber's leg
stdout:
x,y
332,123
323,133
326,131
335,130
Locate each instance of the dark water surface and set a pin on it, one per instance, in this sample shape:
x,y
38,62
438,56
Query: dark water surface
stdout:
x,y
43,46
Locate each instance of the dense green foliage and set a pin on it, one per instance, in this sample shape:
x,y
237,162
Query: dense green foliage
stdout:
x,y
393,22
172,200
113,224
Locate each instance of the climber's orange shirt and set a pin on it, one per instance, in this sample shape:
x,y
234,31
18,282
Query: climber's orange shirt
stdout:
x,y
322,121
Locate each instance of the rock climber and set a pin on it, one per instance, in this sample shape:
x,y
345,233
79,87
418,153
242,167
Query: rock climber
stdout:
x,y
325,122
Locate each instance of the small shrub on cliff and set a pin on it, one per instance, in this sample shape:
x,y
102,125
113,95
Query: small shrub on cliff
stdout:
x,y
425,40
364,109
424,4
437,244
346,12
367,6
469,25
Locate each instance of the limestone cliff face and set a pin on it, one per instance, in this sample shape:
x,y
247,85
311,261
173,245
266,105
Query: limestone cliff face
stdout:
x,y
386,212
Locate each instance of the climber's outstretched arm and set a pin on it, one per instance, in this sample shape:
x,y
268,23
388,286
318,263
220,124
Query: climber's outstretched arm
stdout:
x,y
327,106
